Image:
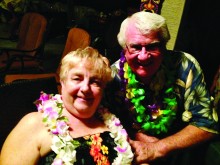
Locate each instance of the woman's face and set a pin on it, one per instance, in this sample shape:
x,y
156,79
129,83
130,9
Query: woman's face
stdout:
x,y
143,52
82,91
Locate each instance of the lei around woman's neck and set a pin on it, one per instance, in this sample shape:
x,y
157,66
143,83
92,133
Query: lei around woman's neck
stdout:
x,y
65,146
155,118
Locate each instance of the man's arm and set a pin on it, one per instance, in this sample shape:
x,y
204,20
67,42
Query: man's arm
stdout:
x,y
148,149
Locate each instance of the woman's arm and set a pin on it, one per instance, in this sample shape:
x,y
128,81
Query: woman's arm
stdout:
x,y
23,144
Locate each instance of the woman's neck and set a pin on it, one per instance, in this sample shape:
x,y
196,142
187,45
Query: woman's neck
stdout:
x,y
81,127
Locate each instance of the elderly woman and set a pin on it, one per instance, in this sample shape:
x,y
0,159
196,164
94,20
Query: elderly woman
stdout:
x,y
71,128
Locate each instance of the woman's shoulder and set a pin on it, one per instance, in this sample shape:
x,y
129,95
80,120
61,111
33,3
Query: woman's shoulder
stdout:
x,y
32,124
28,123
31,119
29,137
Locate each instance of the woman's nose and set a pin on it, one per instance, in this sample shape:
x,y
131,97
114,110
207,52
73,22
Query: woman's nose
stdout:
x,y
85,86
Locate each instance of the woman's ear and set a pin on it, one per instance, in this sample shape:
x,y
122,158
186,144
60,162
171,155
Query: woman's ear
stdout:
x,y
106,61
62,86
62,82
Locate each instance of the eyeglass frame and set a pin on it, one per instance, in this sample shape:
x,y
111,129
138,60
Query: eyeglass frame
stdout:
x,y
150,48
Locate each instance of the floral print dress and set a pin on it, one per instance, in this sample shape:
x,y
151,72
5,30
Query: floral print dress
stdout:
x,y
92,150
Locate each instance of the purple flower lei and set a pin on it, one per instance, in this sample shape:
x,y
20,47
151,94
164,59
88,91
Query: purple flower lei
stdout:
x,y
152,118
51,107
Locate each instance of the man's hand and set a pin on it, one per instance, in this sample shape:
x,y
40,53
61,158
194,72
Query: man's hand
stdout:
x,y
148,149
144,148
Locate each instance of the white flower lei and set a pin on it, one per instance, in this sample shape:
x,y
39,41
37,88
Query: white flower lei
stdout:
x,y
63,144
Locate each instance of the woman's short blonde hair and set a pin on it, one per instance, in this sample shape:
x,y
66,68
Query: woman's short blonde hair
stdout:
x,y
94,60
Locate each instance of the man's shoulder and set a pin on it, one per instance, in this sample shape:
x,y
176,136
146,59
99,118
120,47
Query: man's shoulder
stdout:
x,y
182,57
115,65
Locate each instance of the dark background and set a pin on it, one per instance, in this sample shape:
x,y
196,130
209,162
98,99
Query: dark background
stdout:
x,y
100,18
199,34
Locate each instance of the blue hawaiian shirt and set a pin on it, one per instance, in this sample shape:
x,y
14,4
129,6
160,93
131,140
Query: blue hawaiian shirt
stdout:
x,y
193,97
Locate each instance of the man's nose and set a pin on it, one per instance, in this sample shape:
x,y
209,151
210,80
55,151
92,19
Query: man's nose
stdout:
x,y
143,54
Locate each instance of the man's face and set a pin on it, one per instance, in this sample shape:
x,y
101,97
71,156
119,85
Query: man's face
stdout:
x,y
143,52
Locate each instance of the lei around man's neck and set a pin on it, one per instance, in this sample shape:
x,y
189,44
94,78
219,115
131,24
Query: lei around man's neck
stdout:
x,y
157,117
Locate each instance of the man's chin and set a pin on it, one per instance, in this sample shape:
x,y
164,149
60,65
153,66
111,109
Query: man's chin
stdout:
x,y
143,73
